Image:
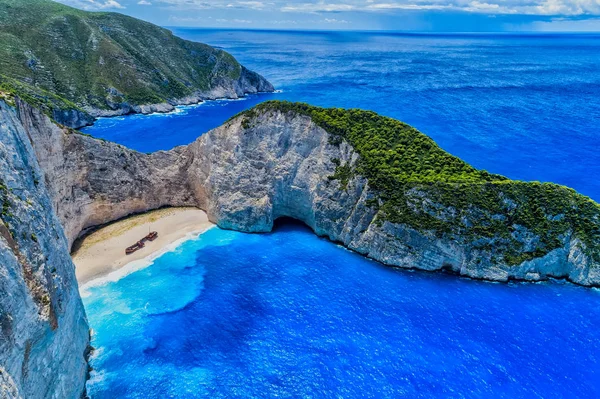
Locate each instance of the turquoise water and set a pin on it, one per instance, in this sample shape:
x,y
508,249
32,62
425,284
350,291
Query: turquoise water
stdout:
x,y
525,106
290,315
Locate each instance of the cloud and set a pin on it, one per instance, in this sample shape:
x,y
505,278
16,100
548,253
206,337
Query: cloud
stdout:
x,y
144,3
255,5
318,7
93,4
558,25
335,21
234,21
216,4
491,7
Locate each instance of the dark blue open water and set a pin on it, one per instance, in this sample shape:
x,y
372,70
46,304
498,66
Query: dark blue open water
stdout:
x,y
289,315
527,106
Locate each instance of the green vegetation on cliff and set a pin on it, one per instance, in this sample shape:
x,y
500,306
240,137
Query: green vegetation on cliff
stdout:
x,y
4,201
420,185
101,60
38,98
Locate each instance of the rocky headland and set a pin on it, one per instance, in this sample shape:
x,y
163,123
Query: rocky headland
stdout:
x,y
423,209
78,65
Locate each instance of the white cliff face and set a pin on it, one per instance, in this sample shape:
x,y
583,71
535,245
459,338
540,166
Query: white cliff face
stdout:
x,y
44,334
92,182
246,174
281,165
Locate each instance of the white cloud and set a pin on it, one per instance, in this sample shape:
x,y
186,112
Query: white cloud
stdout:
x,y
235,21
318,7
283,22
492,7
559,25
255,5
93,4
216,4
144,3
335,21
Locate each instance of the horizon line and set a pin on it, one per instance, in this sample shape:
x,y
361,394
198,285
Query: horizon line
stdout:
x,y
407,32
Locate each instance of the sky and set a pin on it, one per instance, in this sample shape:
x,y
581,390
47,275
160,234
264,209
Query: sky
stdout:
x,y
397,15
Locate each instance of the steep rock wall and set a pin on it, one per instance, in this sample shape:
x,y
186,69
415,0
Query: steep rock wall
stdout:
x,y
92,182
43,329
253,172
246,174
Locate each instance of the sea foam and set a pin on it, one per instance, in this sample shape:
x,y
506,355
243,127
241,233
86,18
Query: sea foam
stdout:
x,y
138,265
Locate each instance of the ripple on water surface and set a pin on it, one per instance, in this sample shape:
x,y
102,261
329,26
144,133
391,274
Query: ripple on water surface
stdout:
x,y
291,315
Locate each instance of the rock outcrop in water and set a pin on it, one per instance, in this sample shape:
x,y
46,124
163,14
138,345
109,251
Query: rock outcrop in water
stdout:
x,y
277,160
43,329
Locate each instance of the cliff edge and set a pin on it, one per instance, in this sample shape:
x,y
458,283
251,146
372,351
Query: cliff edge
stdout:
x,y
44,335
372,183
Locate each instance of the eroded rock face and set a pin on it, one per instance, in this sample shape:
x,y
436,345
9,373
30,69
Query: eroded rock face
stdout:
x,y
281,165
92,182
246,174
249,82
43,329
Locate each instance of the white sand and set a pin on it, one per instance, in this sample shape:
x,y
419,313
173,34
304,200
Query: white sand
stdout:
x,y
103,252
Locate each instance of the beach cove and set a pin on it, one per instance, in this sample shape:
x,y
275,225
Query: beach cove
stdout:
x,y
102,252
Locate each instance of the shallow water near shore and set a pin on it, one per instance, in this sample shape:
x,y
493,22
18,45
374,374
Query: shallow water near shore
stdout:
x,y
289,314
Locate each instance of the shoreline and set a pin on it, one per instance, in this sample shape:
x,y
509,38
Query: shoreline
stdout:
x,y
101,257
165,108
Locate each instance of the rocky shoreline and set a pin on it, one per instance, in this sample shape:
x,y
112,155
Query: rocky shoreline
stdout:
x,y
249,83
246,174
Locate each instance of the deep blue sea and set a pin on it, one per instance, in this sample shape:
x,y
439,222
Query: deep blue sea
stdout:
x,y
290,315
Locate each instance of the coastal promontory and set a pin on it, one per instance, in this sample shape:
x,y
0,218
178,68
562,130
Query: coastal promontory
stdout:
x,y
374,184
78,65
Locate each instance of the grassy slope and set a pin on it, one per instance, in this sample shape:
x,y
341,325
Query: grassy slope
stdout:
x,y
421,185
81,55
38,98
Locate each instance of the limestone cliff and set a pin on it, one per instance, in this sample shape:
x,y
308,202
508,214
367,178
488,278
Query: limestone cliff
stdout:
x,y
43,329
272,163
92,182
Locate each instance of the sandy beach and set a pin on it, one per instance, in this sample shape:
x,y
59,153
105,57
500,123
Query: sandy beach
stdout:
x,y
103,251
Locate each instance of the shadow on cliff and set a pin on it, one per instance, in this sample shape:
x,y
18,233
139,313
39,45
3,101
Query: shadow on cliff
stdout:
x,y
286,223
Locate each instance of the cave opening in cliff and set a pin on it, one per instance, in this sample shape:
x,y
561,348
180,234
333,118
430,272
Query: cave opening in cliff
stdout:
x,y
286,222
